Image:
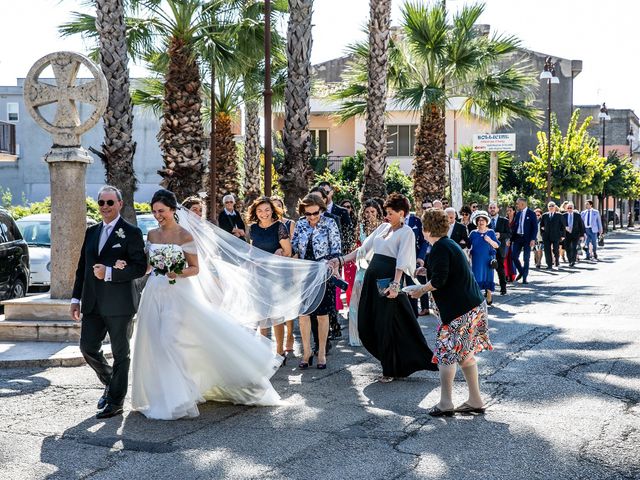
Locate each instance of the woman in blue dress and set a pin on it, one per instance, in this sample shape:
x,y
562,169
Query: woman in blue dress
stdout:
x,y
268,233
483,253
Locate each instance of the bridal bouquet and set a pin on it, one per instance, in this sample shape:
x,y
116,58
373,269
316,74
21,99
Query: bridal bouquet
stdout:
x,y
167,259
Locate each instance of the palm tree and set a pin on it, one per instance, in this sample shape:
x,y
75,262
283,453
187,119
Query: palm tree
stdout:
x,y
118,147
431,62
295,172
375,133
170,37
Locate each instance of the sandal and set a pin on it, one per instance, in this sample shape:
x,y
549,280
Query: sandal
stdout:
x,y
385,379
436,412
466,408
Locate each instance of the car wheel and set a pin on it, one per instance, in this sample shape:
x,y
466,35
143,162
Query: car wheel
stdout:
x,y
18,290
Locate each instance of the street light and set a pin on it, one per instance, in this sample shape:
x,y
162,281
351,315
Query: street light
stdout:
x,y
268,152
549,74
604,116
630,138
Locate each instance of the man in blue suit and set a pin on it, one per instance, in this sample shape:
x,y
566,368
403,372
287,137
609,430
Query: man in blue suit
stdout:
x,y
422,248
523,238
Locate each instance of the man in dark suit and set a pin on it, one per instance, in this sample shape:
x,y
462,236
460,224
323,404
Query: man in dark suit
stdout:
x,y
457,232
345,226
107,298
552,232
523,238
500,225
230,220
574,232
422,251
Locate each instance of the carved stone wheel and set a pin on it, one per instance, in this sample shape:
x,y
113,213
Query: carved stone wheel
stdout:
x,y
67,93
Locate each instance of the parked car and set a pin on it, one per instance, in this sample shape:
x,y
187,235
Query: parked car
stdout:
x,y
146,222
36,230
14,259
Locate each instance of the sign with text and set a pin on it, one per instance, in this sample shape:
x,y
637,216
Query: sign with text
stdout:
x,y
494,142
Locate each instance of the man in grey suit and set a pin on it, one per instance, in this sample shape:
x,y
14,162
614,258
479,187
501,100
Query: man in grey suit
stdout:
x,y
592,228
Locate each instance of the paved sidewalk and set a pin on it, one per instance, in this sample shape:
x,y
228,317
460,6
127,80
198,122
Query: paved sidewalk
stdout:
x,y
562,386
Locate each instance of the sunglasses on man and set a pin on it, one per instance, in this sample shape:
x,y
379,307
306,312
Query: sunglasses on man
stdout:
x,y
111,203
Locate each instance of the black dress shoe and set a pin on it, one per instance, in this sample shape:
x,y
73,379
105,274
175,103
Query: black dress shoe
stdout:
x,y
110,411
503,292
524,281
518,277
102,402
549,267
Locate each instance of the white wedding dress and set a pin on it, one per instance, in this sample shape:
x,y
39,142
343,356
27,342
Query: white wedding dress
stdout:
x,y
187,351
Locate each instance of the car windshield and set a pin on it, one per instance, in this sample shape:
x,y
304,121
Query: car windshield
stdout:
x,y
146,223
35,233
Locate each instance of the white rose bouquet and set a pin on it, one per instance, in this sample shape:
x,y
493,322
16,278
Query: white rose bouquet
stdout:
x,y
167,259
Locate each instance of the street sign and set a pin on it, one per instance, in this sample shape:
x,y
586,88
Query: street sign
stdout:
x,y
494,142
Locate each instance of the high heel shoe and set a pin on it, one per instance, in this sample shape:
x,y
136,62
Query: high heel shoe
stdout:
x,y
307,364
284,359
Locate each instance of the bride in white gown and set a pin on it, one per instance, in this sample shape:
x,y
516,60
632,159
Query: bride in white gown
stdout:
x,y
190,345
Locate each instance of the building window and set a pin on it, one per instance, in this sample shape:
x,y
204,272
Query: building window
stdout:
x,y
12,112
320,141
401,140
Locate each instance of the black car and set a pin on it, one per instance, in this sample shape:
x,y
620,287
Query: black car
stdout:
x,y
14,259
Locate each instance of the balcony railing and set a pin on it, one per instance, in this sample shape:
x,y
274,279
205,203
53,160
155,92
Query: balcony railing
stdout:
x,y
7,138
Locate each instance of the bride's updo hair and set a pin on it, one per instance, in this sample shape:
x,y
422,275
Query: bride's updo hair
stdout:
x,y
166,197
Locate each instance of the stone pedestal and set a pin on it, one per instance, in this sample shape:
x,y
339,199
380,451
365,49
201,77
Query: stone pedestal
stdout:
x,y
38,318
67,168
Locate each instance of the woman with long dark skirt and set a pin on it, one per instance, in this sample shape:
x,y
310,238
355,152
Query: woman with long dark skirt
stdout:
x,y
388,328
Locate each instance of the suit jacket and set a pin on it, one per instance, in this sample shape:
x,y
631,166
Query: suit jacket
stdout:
x,y
595,222
530,227
578,226
459,234
229,222
422,246
345,226
117,297
502,227
551,228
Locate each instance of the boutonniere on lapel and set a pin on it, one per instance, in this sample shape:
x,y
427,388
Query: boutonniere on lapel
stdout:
x,y
120,233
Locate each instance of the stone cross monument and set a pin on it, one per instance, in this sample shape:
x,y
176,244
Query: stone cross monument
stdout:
x,y
67,159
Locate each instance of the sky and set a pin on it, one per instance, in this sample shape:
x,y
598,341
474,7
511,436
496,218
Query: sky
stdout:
x,y
600,33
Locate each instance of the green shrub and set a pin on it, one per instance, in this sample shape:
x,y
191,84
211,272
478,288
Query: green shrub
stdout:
x,y
396,181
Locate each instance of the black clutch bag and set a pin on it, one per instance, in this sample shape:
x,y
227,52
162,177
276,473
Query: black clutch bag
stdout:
x,y
383,284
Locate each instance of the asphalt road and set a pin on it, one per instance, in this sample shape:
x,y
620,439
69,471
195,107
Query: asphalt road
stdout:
x,y
562,387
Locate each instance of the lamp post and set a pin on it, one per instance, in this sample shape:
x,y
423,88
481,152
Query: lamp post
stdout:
x,y
268,152
604,116
549,74
630,138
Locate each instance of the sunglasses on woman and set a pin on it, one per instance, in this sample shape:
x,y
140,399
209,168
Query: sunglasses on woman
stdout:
x,y
312,214
111,203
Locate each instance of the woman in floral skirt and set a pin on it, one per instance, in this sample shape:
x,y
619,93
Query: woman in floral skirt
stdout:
x,y
463,329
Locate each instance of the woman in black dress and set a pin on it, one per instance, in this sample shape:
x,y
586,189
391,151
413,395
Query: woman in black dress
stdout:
x,y
268,233
388,327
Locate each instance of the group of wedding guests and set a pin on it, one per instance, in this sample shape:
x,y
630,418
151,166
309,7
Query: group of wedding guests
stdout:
x,y
378,252
497,243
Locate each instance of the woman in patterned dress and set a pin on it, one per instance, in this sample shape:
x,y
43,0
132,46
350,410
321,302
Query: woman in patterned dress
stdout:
x,y
316,238
463,329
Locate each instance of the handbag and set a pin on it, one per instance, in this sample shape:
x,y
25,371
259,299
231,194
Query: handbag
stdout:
x,y
601,241
383,284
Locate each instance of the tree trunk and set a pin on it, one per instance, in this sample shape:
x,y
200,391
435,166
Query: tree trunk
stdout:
x,y
181,133
252,152
430,160
295,173
226,158
375,134
118,147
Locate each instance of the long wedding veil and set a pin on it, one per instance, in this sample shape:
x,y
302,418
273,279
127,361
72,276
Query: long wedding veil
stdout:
x,y
253,286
